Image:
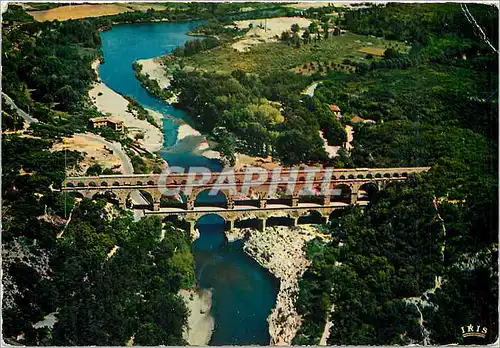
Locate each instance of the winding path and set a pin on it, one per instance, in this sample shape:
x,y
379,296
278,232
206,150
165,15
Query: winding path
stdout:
x,y
117,149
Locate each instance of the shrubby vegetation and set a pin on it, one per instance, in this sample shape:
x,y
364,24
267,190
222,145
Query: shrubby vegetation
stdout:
x,y
151,85
442,115
192,47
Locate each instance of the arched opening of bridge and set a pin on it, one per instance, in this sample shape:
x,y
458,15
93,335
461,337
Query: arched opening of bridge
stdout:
x,y
341,193
311,217
254,223
335,215
143,200
177,221
367,191
211,232
75,195
311,196
280,221
246,201
177,201
280,197
206,199
108,196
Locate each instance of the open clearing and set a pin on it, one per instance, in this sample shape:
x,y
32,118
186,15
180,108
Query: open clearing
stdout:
x,y
266,30
94,151
64,13
377,51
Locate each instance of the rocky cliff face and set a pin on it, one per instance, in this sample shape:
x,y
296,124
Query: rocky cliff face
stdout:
x,y
280,250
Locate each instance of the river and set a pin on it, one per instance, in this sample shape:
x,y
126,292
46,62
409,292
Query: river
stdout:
x,y
243,293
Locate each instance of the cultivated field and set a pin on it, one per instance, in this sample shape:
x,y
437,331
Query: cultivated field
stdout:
x,y
277,56
64,13
376,51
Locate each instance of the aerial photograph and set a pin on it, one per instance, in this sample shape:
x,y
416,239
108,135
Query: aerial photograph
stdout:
x,y
249,173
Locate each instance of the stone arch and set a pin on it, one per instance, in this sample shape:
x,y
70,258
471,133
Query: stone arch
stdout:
x,y
210,219
177,201
404,174
70,184
204,199
148,197
104,183
116,183
247,200
369,176
311,196
351,176
342,177
81,184
335,214
107,195
367,191
176,220
341,193
280,221
151,183
139,183
311,217
254,223
93,184
395,175
282,196
378,175
360,176
77,194
387,175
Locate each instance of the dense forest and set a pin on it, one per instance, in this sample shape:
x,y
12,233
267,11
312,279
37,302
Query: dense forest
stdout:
x,y
56,258
421,260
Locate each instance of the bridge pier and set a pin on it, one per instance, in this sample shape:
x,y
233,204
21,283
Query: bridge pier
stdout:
x,y
191,228
326,200
230,225
262,203
327,219
295,201
263,225
354,197
295,221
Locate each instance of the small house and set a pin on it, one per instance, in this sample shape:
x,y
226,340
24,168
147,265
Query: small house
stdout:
x,y
99,122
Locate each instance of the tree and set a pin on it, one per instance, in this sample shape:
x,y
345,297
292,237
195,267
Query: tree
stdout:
x,y
306,35
391,53
285,36
94,170
295,28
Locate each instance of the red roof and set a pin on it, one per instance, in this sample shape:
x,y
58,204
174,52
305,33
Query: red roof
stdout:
x,y
334,108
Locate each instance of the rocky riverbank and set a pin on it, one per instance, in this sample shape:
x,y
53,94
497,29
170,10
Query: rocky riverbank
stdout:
x,y
280,250
200,322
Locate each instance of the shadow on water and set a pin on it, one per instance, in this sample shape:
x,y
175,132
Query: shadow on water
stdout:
x,y
243,291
